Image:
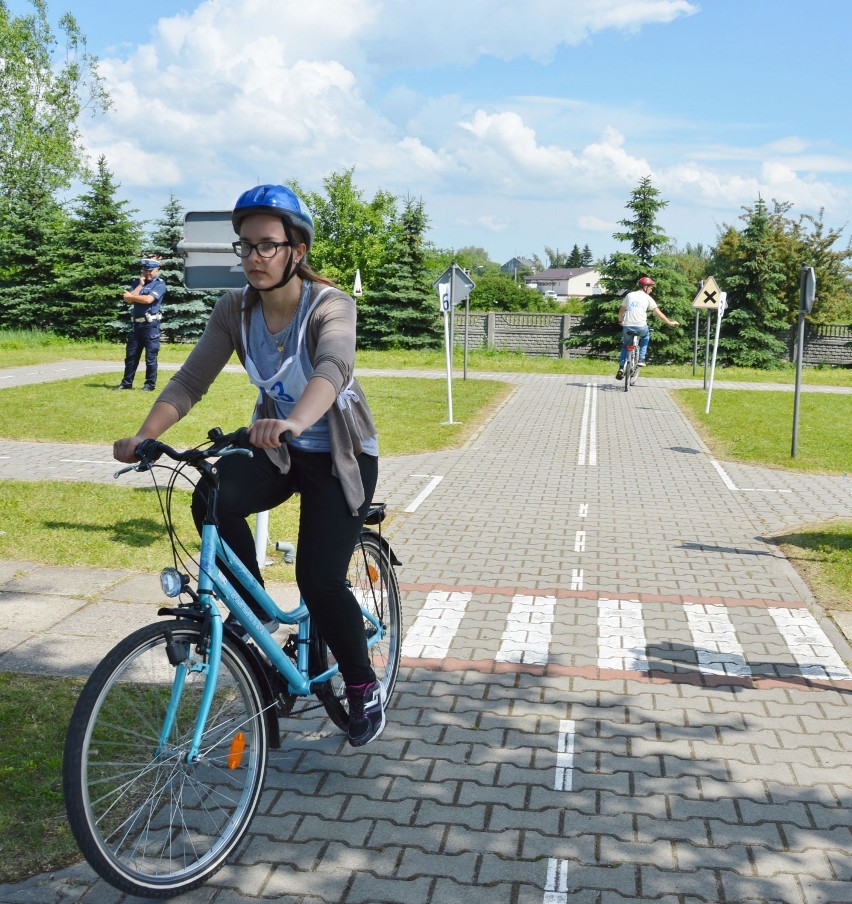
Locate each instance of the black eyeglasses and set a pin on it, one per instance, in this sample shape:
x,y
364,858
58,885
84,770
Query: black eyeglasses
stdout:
x,y
264,249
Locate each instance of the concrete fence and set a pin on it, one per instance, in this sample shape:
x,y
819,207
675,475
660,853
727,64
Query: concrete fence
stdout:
x,y
544,334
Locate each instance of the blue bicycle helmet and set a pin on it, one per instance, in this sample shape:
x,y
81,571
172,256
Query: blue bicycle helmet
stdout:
x,y
279,201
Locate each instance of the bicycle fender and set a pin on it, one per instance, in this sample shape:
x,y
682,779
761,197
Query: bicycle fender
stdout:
x,y
386,547
256,664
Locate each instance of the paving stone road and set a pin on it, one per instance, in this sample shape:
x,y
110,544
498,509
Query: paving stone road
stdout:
x,y
614,687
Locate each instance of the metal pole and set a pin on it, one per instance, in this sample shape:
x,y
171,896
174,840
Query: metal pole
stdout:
x,y
449,368
695,346
706,349
800,349
452,315
466,326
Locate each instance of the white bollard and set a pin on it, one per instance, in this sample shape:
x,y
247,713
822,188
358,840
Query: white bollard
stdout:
x,y
261,537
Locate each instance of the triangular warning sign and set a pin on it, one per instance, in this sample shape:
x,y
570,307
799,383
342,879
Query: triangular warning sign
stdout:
x,y
708,297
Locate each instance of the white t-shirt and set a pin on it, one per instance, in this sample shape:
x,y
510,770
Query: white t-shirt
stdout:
x,y
637,304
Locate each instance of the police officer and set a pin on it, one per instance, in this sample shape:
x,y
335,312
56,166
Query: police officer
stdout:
x,y
146,296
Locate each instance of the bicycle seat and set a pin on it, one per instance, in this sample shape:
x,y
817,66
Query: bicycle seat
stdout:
x,y
376,514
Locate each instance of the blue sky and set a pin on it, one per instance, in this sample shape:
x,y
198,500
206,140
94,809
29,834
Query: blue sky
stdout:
x,y
519,125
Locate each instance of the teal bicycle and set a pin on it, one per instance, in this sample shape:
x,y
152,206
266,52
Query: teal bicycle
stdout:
x,y
167,747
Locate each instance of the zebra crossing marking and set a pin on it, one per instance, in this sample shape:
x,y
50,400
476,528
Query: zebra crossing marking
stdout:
x,y
809,644
437,623
716,645
622,644
528,630
621,636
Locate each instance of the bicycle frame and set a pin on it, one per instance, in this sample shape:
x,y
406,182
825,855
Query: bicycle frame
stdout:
x,y
212,585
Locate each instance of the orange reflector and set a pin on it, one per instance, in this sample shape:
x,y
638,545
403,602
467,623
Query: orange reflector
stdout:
x,y
238,746
373,572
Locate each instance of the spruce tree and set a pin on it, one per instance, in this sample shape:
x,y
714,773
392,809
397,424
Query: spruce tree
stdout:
x,y
401,309
587,259
29,239
99,257
185,313
599,329
575,258
754,282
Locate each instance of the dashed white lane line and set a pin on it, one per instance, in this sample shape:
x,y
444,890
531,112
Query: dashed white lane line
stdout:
x,y
583,511
528,630
556,887
437,623
715,641
809,644
425,492
580,541
621,636
564,780
576,578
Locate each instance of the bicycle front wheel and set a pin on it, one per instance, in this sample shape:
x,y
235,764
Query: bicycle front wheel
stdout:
x,y
373,582
148,822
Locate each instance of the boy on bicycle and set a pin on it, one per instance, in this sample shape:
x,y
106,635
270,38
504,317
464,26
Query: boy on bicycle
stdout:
x,y
633,317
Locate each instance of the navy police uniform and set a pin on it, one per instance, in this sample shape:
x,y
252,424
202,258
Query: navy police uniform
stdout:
x,y
145,330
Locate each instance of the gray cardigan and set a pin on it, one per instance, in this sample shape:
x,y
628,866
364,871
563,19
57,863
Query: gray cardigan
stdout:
x,y
330,336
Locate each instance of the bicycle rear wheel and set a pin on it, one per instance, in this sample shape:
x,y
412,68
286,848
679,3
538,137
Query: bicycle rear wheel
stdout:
x,y
373,582
628,371
148,822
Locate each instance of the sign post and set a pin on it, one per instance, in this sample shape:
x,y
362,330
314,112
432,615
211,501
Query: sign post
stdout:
x,y
720,311
445,298
807,294
707,299
452,285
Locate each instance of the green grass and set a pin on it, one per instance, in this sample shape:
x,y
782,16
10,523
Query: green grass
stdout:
x,y
19,348
757,427
410,414
115,526
822,554
34,834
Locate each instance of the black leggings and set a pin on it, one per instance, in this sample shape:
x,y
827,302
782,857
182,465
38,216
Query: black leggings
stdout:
x,y
327,535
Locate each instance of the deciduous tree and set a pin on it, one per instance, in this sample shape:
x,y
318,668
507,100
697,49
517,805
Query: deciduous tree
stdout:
x,y
352,233
43,93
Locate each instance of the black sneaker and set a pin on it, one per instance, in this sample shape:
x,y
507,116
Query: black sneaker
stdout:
x,y
122,386
366,713
619,374
147,389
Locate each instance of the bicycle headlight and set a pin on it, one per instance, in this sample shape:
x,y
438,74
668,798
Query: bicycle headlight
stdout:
x,y
172,581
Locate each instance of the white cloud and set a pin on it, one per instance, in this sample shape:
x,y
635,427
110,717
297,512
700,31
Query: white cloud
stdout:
x,y
596,224
262,90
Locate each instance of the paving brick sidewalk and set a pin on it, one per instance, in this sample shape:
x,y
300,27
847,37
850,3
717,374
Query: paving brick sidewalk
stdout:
x,y
631,702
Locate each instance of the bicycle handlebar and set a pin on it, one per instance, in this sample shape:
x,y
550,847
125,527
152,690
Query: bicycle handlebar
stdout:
x,y
150,450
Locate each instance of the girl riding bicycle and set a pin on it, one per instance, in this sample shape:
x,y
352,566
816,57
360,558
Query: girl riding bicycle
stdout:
x,y
294,333
633,317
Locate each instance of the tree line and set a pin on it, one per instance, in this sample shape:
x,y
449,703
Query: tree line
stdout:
x,y
757,265
63,267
